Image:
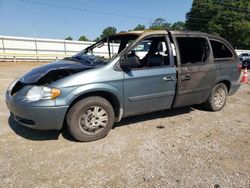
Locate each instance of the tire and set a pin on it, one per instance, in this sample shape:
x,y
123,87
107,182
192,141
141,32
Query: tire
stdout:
x,y
218,97
90,119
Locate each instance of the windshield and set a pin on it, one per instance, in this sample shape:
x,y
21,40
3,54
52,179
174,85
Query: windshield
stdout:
x,y
106,49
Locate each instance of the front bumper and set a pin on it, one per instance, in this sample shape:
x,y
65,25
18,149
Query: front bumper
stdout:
x,y
37,117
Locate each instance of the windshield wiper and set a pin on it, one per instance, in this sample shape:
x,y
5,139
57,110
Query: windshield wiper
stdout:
x,y
79,59
84,59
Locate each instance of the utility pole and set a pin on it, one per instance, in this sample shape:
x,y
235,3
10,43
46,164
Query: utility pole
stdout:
x,y
3,49
36,45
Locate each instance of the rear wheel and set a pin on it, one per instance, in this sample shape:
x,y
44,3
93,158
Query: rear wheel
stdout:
x,y
218,97
90,119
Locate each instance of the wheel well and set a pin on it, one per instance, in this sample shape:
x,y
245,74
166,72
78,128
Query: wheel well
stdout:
x,y
106,95
227,83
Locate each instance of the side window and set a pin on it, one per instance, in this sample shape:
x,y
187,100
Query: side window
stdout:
x,y
220,50
193,50
142,48
151,52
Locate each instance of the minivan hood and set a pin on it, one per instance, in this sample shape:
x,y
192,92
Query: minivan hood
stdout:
x,y
54,71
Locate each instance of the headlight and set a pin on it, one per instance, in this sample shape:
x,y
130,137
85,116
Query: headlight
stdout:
x,y
40,92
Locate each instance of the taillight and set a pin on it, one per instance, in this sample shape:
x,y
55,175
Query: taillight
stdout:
x,y
239,67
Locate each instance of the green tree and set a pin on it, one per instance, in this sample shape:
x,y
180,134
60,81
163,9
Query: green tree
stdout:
x,y
139,27
83,38
159,23
229,19
68,38
108,31
178,25
96,39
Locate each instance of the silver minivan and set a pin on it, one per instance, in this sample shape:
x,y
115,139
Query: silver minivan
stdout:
x,y
140,72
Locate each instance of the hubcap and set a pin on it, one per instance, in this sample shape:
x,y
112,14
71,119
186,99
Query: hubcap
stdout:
x,y
219,97
93,120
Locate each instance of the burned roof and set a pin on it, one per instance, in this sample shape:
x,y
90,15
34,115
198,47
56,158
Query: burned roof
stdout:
x,y
151,32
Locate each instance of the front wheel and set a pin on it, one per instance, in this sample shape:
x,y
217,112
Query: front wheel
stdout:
x,y
218,97
90,119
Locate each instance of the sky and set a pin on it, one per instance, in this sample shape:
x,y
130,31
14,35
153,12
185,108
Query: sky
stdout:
x,y
58,19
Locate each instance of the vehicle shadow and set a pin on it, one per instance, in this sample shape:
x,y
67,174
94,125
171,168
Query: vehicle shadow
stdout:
x,y
40,135
32,134
154,115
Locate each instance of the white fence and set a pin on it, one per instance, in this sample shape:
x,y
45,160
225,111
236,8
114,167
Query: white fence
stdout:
x,y
238,51
40,49
24,48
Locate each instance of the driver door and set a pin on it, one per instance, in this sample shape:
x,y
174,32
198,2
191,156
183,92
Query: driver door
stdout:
x,y
151,86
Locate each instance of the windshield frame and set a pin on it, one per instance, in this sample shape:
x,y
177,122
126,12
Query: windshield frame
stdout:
x,y
124,39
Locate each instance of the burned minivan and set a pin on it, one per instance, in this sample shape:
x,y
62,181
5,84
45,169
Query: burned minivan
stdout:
x,y
124,75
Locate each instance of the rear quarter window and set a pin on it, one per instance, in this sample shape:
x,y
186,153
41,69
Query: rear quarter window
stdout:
x,y
220,50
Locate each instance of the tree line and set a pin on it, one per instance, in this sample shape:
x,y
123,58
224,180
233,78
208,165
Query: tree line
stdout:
x,y
229,19
157,24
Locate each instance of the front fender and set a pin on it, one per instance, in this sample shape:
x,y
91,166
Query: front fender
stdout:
x,y
95,87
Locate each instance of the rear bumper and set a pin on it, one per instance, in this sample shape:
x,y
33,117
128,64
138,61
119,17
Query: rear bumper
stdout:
x,y
234,88
42,118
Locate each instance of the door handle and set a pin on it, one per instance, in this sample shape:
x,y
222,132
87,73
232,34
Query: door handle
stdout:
x,y
168,78
187,77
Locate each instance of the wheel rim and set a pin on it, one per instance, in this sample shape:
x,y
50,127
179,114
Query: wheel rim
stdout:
x,y
93,120
219,97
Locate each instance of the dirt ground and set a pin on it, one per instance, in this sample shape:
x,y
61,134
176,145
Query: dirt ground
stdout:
x,y
185,147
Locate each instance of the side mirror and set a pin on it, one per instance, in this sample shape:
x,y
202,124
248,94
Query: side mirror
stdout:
x,y
130,62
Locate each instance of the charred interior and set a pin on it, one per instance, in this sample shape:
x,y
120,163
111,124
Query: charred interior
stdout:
x,y
48,78
193,50
19,85
55,75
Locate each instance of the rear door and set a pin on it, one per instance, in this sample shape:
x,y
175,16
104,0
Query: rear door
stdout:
x,y
196,70
151,86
